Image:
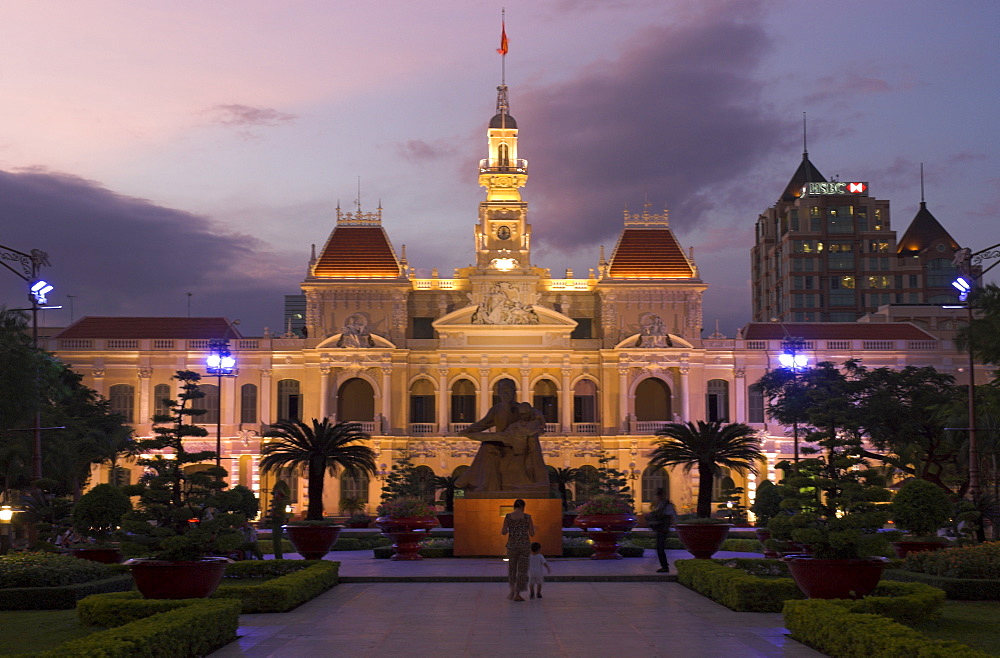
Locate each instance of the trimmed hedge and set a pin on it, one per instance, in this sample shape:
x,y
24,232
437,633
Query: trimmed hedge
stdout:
x,y
50,570
737,545
62,597
192,627
385,552
832,628
959,589
733,584
976,561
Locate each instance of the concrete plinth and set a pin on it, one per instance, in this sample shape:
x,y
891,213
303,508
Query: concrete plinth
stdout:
x,y
478,522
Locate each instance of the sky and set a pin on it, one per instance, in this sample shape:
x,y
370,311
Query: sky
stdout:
x,y
181,157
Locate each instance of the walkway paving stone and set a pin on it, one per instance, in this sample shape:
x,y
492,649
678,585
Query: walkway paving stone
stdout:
x,y
448,618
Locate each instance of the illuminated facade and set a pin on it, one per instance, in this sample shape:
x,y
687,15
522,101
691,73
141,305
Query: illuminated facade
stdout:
x,y
608,358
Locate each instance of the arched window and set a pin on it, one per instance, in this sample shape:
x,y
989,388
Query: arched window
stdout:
x,y
355,487
248,403
717,400
122,399
587,483
652,400
585,402
290,476
653,479
422,402
463,402
161,393
546,400
289,400
720,482
755,405
503,155
423,477
356,401
210,403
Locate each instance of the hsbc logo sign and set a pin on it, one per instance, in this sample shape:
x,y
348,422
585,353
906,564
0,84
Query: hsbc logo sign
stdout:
x,y
835,187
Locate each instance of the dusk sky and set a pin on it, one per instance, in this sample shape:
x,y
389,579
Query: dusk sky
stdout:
x,y
159,148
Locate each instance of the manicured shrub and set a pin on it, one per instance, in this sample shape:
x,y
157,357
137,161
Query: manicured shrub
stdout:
x,y
190,627
283,593
832,628
921,508
958,589
50,570
741,546
60,597
978,561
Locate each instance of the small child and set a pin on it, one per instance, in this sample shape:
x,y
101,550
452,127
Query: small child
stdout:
x,y
535,576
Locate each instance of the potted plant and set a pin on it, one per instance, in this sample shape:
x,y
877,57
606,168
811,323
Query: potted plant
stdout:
x,y
921,508
447,484
184,520
406,520
709,446
355,509
606,518
321,448
766,505
834,506
359,520
97,515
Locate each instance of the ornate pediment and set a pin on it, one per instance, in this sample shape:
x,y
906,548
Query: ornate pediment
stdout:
x,y
459,329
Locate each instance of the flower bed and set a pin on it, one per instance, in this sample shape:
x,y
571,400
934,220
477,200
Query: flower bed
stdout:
x,y
738,585
979,561
834,628
191,627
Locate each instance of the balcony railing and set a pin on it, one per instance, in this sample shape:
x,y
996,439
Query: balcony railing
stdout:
x,y
423,429
585,429
518,166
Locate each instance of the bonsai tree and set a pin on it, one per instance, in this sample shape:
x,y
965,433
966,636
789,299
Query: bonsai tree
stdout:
x,y
99,512
320,449
832,502
921,508
732,506
277,517
767,503
405,507
404,481
709,446
183,513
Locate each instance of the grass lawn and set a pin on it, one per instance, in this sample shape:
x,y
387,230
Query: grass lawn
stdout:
x,y
969,622
27,631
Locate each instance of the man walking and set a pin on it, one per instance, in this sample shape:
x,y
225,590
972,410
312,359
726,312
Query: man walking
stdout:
x,y
660,518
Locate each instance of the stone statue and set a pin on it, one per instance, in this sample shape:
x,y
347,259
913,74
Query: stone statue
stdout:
x,y
356,333
654,333
501,305
510,459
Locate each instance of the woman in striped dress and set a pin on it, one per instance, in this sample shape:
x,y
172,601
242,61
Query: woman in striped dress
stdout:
x,y
519,529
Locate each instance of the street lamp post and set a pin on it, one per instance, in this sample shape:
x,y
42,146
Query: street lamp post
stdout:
x,y
791,357
220,363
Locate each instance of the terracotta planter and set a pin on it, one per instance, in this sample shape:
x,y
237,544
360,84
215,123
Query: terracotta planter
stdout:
x,y
110,555
163,579
763,534
357,525
606,531
702,540
446,519
836,579
312,542
901,548
568,519
406,534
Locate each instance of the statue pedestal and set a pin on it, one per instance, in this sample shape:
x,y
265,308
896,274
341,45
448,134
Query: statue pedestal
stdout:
x,y
478,522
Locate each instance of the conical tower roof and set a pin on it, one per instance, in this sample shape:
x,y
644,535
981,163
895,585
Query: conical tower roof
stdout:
x,y
806,173
924,231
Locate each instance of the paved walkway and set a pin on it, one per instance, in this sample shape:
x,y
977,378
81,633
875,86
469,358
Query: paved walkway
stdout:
x,y
474,619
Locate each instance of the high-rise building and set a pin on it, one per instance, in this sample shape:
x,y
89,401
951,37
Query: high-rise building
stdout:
x,y
826,252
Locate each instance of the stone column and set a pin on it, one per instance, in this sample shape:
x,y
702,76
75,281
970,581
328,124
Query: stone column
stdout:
x,y
324,391
265,396
485,394
442,401
566,403
386,399
623,397
525,383
685,392
145,412
740,394
228,401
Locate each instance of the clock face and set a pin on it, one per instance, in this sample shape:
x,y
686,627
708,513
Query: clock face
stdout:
x,y
503,233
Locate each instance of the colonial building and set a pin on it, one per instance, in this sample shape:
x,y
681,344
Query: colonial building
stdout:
x,y
608,358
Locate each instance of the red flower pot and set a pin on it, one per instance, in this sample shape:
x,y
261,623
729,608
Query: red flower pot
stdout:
x,y
312,542
102,555
406,534
763,534
836,579
901,548
606,531
446,519
163,579
702,540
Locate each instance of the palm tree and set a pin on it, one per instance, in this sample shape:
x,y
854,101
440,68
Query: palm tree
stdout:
x,y
707,445
320,448
561,477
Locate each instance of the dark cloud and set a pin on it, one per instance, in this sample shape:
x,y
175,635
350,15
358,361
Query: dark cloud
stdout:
x,y
418,150
676,117
246,115
119,255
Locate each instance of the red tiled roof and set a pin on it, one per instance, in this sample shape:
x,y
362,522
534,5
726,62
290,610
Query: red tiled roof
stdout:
x,y
179,328
835,331
649,253
357,252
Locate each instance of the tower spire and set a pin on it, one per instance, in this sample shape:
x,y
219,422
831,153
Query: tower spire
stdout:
x,y
921,183
503,105
805,149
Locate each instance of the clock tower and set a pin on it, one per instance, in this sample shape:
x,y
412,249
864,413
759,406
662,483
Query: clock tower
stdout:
x,y
503,235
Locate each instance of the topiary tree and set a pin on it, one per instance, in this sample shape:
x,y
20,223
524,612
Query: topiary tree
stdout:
x,y
766,503
99,512
921,508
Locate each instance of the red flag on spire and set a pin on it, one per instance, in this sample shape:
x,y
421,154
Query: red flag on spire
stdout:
x,y
503,39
